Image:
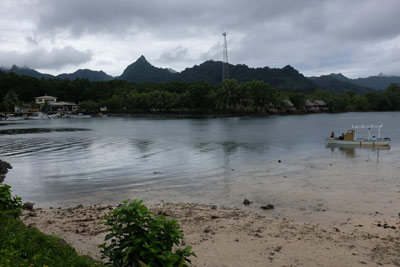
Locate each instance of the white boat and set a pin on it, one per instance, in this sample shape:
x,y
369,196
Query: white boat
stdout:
x,y
11,117
79,116
350,138
54,116
39,116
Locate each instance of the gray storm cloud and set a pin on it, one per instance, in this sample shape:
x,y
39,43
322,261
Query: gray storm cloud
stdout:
x,y
341,18
41,58
176,54
312,35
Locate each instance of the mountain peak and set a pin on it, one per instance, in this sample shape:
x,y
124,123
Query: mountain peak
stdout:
x,y
14,68
26,71
338,76
142,59
172,70
141,71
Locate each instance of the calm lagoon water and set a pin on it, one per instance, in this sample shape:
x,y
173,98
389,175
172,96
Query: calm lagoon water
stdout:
x,y
211,160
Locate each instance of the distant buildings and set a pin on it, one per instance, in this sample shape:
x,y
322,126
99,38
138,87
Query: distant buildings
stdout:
x,y
316,106
48,104
23,108
53,105
287,107
41,100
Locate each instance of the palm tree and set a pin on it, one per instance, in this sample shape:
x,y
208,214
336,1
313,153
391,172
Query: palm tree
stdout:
x,y
11,100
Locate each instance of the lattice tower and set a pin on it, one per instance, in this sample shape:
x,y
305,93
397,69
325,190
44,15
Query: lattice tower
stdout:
x,y
225,65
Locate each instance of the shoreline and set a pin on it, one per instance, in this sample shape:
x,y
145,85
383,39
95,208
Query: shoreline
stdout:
x,y
222,236
195,114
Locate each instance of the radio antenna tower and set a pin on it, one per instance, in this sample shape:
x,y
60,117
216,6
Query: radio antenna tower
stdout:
x,y
225,65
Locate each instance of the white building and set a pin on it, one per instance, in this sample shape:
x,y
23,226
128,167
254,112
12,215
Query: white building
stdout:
x,y
46,98
54,105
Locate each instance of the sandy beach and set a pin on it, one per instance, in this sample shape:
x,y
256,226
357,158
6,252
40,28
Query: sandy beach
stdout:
x,y
222,236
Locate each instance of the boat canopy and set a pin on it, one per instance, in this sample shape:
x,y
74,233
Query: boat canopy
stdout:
x,y
369,127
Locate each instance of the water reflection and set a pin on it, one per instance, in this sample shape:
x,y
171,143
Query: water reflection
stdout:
x,y
347,151
352,152
39,130
229,149
8,123
19,147
152,158
143,145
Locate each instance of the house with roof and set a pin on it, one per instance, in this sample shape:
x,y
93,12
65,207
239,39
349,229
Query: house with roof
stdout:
x,y
54,105
316,106
22,108
287,106
63,106
45,99
271,108
321,105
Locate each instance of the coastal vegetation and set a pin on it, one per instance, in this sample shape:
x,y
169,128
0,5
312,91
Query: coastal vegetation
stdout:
x,y
232,97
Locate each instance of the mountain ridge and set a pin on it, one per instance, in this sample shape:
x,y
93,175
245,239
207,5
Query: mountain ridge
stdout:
x,y
92,75
286,78
339,83
379,82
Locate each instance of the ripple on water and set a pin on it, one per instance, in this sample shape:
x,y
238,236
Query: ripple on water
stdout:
x,y
39,130
20,147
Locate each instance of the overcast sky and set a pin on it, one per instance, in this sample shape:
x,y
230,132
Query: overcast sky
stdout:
x,y
358,38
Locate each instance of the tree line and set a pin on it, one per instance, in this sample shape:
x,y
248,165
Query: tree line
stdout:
x,y
229,97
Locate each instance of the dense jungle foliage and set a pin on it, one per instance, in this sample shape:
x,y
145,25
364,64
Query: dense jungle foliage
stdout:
x,y
174,97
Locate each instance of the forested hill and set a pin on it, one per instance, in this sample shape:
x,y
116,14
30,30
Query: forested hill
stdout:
x,y
198,97
91,75
210,72
337,83
29,72
380,82
286,78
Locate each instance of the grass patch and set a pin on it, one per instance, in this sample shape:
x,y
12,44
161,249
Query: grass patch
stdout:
x,y
26,246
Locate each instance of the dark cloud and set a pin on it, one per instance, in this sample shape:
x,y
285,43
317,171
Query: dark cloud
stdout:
x,y
178,54
31,40
174,18
312,35
342,18
43,59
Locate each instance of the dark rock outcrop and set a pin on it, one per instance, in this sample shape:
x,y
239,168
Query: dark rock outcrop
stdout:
x,y
268,207
28,206
246,201
4,166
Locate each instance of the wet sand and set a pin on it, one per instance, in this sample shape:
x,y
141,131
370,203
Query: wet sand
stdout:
x,y
223,236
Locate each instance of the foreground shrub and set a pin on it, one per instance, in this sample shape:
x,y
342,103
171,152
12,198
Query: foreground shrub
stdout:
x,y
137,237
9,204
25,246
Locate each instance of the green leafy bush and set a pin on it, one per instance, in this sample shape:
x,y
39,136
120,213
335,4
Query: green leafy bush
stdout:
x,y
136,237
25,246
9,204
